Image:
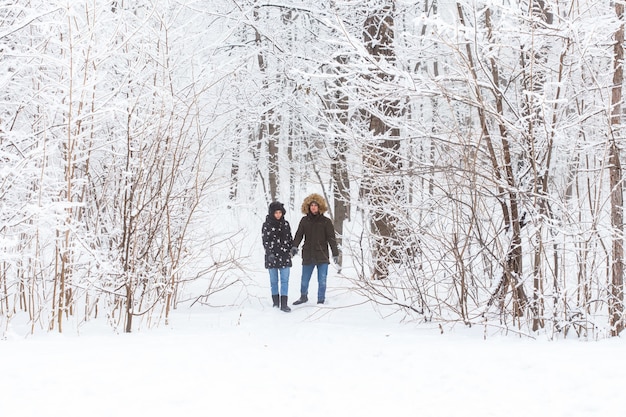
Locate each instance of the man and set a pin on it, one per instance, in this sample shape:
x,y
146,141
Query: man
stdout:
x,y
318,233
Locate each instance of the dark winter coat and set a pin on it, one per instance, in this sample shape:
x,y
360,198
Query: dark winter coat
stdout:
x,y
277,240
318,233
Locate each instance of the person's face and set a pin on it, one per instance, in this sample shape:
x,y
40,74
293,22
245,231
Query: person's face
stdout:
x,y
314,208
278,214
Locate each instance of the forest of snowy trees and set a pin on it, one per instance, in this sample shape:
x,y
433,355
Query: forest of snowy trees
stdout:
x,y
470,152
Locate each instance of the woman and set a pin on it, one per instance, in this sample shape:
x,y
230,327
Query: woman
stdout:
x,y
277,242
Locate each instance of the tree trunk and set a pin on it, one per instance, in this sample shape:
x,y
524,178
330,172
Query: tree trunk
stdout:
x,y
268,129
339,166
533,61
503,172
616,300
272,150
234,167
381,156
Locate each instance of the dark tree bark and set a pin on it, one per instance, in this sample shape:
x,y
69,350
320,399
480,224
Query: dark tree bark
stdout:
x,y
616,300
381,184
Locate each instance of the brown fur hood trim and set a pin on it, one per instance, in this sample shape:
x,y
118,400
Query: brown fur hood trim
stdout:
x,y
318,199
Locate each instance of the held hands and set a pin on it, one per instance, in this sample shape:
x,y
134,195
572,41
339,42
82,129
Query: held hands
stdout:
x,y
271,257
294,251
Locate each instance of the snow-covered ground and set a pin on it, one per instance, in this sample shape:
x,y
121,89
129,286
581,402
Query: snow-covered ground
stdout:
x,y
331,360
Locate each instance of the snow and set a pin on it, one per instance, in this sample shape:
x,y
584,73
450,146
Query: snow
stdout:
x,y
347,358
241,357
339,359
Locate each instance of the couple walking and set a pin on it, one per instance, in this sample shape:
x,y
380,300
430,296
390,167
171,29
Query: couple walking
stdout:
x,y
318,233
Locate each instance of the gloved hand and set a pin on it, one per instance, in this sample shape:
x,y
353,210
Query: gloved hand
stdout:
x,y
294,251
271,257
336,260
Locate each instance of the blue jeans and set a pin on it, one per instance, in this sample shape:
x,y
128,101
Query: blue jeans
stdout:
x,y
284,280
322,272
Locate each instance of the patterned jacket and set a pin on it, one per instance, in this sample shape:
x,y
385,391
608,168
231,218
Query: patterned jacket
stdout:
x,y
277,241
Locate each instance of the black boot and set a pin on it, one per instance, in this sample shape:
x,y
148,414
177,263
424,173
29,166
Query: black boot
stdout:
x,y
303,299
275,300
283,304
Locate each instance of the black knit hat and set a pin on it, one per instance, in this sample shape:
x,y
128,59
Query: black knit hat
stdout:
x,y
276,205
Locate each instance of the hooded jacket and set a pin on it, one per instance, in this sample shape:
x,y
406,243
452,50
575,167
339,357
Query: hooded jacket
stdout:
x,y
277,240
317,231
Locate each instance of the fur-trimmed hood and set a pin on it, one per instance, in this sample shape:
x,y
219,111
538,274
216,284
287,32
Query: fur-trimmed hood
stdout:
x,y
321,202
